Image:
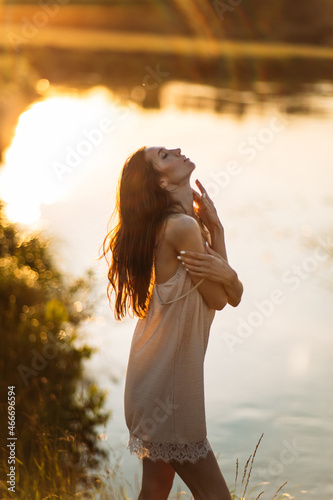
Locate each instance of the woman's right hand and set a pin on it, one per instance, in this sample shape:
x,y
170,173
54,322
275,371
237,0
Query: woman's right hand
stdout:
x,y
214,267
211,266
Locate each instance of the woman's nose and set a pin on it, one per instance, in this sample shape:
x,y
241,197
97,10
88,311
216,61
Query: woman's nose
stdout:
x,y
178,151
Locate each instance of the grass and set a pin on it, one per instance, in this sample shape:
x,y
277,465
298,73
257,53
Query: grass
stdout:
x,y
241,491
246,479
48,475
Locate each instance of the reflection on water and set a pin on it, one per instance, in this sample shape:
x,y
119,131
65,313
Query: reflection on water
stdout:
x,y
268,367
228,83
182,95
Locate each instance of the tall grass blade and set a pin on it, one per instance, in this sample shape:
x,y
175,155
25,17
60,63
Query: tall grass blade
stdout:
x,y
279,489
236,475
245,469
259,495
249,474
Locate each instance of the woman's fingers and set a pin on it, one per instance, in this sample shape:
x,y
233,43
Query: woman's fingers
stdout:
x,y
202,271
198,273
200,256
205,203
197,270
196,195
212,252
200,186
187,261
197,262
194,255
203,191
207,266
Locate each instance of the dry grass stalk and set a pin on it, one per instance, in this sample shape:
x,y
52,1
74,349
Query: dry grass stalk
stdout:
x,y
259,495
279,489
236,475
249,474
245,469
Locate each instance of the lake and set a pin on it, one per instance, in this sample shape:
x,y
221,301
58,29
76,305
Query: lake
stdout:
x,y
268,366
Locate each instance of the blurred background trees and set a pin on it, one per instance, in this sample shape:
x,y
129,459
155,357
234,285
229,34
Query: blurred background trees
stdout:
x,y
57,410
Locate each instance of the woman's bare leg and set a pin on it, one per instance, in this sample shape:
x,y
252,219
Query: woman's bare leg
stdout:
x,y
157,479
204,478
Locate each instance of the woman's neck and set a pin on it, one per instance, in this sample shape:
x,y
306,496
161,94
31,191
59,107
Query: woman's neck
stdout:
x,y
184,195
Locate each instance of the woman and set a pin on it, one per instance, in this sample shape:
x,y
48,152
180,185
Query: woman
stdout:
x,y
169,267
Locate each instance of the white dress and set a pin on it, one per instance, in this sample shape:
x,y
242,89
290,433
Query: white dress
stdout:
x,y
164,389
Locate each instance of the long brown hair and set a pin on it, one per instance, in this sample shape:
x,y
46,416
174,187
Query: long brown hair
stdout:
x,y
142,206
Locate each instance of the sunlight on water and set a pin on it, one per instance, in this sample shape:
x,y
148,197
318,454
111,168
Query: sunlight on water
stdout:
x,y
54,138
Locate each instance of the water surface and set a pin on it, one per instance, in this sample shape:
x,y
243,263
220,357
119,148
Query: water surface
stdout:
x,y
268,366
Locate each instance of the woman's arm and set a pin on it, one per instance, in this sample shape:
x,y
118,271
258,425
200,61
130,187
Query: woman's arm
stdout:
x,y
183,234
215,266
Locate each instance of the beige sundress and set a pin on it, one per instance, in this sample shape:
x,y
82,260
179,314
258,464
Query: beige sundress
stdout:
x,y
164,389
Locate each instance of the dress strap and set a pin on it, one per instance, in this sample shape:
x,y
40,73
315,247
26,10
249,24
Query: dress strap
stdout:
x,y
182,296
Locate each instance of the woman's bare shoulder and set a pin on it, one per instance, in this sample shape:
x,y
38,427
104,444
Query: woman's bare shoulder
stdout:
x,y
178,224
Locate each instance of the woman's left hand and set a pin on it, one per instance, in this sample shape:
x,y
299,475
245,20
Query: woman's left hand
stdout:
x,y
210,266
205,207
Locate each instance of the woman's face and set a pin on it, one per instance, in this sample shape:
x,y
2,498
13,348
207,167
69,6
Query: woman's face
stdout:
x,y
173,167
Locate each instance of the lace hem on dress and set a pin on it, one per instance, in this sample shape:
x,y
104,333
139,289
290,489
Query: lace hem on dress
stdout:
x,y
191,452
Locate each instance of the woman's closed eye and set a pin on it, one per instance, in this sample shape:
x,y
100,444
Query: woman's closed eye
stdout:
x,y
164,154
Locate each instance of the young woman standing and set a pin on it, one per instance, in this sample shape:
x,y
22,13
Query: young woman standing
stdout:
x,y
169,267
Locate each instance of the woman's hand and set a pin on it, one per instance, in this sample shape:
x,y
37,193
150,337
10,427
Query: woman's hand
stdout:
x,y
214,267
210,266
205,207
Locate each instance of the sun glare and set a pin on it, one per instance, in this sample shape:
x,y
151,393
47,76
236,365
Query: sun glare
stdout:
x,y
53,138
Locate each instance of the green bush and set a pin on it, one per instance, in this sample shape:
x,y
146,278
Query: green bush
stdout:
x,y
57,411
